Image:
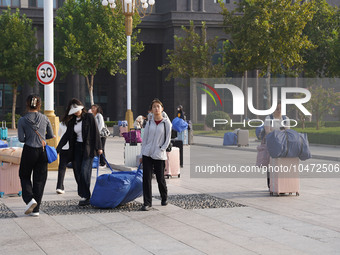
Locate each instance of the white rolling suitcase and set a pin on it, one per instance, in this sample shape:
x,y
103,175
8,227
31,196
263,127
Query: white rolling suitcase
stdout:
x,y
242,137
130,154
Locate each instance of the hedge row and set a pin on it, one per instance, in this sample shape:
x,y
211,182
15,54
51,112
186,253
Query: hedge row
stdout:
x,y
330,136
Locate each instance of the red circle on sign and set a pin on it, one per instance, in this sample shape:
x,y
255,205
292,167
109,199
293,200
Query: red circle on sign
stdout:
x,y
44,78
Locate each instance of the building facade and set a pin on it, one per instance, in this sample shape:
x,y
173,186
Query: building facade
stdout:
x,y
157,34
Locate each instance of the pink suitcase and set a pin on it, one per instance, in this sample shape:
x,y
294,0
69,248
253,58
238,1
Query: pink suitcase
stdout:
x,y
282,181
172,164
122,130
9,179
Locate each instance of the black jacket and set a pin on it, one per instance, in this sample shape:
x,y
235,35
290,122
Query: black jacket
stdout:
x,y
91,138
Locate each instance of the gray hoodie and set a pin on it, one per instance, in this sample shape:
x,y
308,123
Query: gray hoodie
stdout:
x,y
31,122
154,144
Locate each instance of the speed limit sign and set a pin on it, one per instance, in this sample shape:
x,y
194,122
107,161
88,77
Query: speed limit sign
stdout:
x,y
46,72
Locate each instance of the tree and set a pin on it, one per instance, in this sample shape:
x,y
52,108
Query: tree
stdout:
x,y
18,55
267,36
322,102
192,56
322,31
89,37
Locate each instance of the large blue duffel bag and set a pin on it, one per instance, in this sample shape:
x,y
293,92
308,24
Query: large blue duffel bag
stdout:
x,y
117,188
230,138
179,124
288,144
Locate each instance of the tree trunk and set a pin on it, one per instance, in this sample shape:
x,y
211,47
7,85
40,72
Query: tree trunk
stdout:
x,y
90,87
15,90
269,97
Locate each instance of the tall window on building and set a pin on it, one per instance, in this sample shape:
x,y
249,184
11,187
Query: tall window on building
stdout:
x,y
40,3
10,3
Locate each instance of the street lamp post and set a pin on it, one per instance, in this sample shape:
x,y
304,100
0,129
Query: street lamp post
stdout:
x,y
49,89
128,8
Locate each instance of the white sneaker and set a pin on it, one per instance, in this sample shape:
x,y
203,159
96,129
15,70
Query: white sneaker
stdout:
x,y
30,206
34,214
60,191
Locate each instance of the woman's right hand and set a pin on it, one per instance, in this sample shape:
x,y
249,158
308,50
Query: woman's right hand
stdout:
x,y
141,160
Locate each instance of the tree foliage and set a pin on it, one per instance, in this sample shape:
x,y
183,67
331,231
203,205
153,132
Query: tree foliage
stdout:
x,y
18,54
192,56
322,31
267,35
89,37
323,101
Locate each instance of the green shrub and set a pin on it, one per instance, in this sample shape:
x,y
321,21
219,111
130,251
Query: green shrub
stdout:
x,y
209,120
8,117
332,124
198,126
111,123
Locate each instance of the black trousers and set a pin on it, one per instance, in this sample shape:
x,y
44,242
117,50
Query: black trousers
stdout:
x,y
150,165
82,169
33,160
101,158
63,160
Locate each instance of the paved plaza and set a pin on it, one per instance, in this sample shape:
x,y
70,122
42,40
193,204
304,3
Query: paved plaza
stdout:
x,y
305,224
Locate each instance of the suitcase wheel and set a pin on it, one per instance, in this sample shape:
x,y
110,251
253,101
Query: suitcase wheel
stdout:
x,y
297,194
179,175
167,176
290,193
2,194
271,194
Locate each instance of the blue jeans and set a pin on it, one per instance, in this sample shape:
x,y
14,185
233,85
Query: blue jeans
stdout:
x,y
82,169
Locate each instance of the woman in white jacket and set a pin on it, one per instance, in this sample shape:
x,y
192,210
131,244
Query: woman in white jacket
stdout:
x,y
157,135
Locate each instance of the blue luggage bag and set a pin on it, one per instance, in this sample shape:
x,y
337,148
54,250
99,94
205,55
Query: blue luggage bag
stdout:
x,y
3,144
230,138
117,188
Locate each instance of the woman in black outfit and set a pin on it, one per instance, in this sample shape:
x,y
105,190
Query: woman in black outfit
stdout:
x,y
31,127
84,143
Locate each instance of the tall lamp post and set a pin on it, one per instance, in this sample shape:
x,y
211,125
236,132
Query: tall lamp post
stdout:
x,y
128,8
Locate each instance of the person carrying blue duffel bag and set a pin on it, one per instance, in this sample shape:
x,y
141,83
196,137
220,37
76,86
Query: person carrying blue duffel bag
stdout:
x,y
274,121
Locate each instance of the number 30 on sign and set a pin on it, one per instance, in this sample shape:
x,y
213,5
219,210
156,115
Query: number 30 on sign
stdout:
x,y
46,72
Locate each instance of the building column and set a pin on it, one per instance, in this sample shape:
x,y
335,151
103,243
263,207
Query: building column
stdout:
x,y
202,6
189,6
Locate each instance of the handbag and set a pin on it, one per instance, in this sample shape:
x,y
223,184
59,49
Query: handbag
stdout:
x,y
133,136
51,152
105,132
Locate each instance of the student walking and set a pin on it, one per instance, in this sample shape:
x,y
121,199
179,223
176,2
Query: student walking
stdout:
x,y
84,143
98,116
157,135
33,158
64,157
